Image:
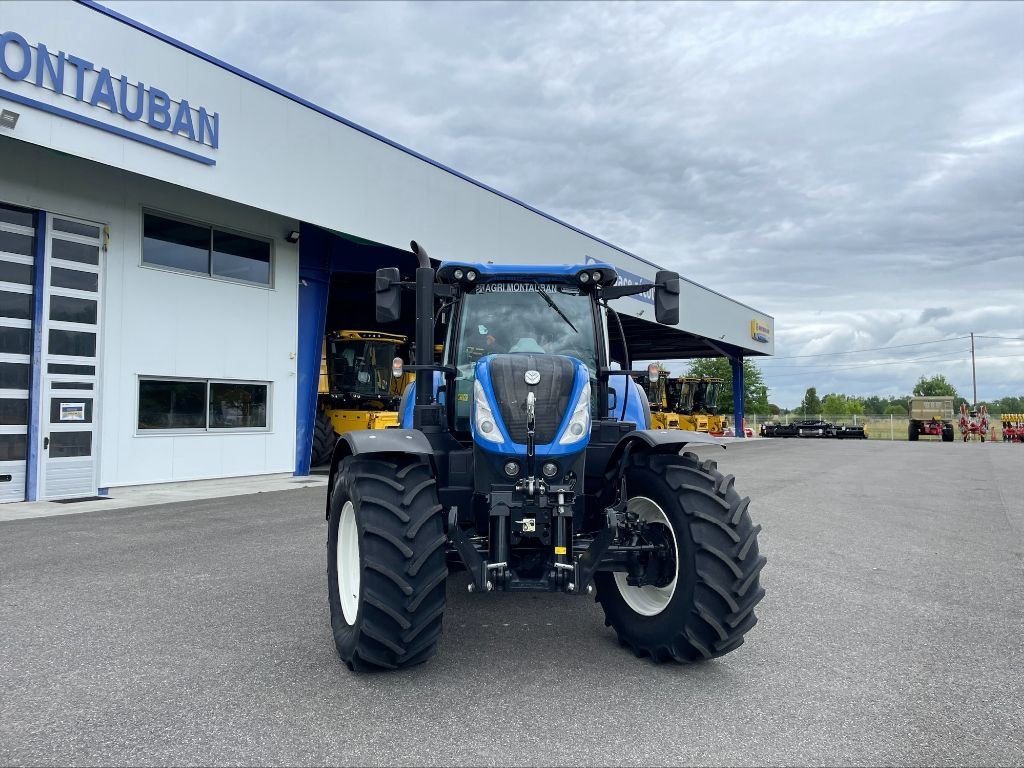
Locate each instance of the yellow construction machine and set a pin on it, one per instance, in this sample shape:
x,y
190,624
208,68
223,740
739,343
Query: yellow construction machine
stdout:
x,y
686,402
357,389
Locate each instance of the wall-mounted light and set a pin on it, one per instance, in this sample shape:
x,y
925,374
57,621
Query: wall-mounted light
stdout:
x,y
8,119
293,236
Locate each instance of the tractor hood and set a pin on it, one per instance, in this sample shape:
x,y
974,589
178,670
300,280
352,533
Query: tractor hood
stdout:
x,y
560,387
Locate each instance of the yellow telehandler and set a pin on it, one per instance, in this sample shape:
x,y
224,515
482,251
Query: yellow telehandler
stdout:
x,y
357,389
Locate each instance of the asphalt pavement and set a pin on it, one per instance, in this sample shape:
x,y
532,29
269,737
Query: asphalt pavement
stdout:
x,y
197,634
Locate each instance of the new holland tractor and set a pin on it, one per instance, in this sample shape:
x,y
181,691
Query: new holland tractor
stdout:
x,y
357,390
525,458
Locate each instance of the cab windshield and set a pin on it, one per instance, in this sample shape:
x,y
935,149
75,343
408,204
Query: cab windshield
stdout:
x,y
361,367
500,318
525,317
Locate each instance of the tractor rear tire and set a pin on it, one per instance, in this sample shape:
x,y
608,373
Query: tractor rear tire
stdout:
x,y
709,607
386,566
324,439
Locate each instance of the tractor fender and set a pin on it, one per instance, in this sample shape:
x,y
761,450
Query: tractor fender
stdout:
x,y
661,441
366,442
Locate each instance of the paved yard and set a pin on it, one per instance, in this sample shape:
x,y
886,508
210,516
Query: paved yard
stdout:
x,y
197,633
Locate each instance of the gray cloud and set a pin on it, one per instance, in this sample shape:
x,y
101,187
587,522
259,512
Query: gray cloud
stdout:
x,y
854,169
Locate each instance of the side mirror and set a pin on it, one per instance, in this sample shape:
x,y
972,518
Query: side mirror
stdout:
x,y
666,297
613,400
389,295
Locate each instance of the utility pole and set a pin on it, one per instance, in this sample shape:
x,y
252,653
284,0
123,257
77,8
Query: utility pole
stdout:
x,y
974,375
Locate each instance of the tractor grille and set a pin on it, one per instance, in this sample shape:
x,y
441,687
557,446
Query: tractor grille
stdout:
x,y
508,374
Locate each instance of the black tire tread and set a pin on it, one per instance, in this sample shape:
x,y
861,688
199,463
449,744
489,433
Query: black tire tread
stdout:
x,y
724,578
324,438
404,563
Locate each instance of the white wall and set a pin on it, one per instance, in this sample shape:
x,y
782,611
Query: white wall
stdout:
x,y
278,155
162,323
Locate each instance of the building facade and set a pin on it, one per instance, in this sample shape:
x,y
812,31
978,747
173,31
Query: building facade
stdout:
x,y
176,234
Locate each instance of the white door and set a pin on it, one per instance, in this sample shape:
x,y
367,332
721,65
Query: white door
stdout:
x,y
70,357
17,274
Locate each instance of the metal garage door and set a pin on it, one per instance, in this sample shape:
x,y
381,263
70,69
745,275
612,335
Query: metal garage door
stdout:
x,y
17,270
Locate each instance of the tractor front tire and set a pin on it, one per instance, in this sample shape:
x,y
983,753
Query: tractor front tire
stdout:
x,y
324,438
386,567
709,606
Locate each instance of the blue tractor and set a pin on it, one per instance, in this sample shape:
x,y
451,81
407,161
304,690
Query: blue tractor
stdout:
x,y
524,457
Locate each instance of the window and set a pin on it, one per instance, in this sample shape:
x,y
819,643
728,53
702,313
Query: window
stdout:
x,y
204,405
72,343
203,249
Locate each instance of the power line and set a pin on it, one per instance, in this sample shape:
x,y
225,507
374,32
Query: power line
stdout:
x,y
1004,338
870,349
865,363
824,371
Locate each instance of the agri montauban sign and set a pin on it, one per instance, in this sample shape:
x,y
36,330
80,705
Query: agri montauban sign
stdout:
x,y
133,104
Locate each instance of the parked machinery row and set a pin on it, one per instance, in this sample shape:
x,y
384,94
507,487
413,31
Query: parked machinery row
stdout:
x,y
685,402
815,428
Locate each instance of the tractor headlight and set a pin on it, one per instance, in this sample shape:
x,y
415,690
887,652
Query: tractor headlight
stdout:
x,y
579,424
486,426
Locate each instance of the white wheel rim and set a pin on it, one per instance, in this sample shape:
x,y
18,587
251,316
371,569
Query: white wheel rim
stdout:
x,y
348,563
649,600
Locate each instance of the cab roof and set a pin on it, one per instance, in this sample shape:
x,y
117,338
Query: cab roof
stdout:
x,y
558,273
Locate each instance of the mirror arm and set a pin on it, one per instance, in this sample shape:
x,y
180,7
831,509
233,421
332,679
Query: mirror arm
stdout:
x,y
618,291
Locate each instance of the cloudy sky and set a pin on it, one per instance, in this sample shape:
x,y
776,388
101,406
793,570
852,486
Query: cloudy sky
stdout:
x,y
855,170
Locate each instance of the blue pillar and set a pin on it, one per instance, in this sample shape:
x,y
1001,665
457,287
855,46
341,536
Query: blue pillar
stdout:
x,y
314,286
36,366
737,394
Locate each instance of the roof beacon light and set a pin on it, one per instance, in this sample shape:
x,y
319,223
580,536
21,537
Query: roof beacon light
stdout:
x,y
397,368
653,372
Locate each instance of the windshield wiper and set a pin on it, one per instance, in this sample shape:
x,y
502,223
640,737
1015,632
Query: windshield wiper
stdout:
x,y
551,303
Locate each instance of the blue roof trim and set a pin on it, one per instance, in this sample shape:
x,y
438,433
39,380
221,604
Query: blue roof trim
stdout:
x,y
567,271
327,113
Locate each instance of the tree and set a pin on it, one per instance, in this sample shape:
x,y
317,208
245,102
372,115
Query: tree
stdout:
x,y
837,406
895,410
833,406
936,386
810,405
755,393
874,404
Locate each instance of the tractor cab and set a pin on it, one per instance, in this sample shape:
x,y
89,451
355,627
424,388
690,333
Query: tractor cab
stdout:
x,y
519,320
699,395
356,369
